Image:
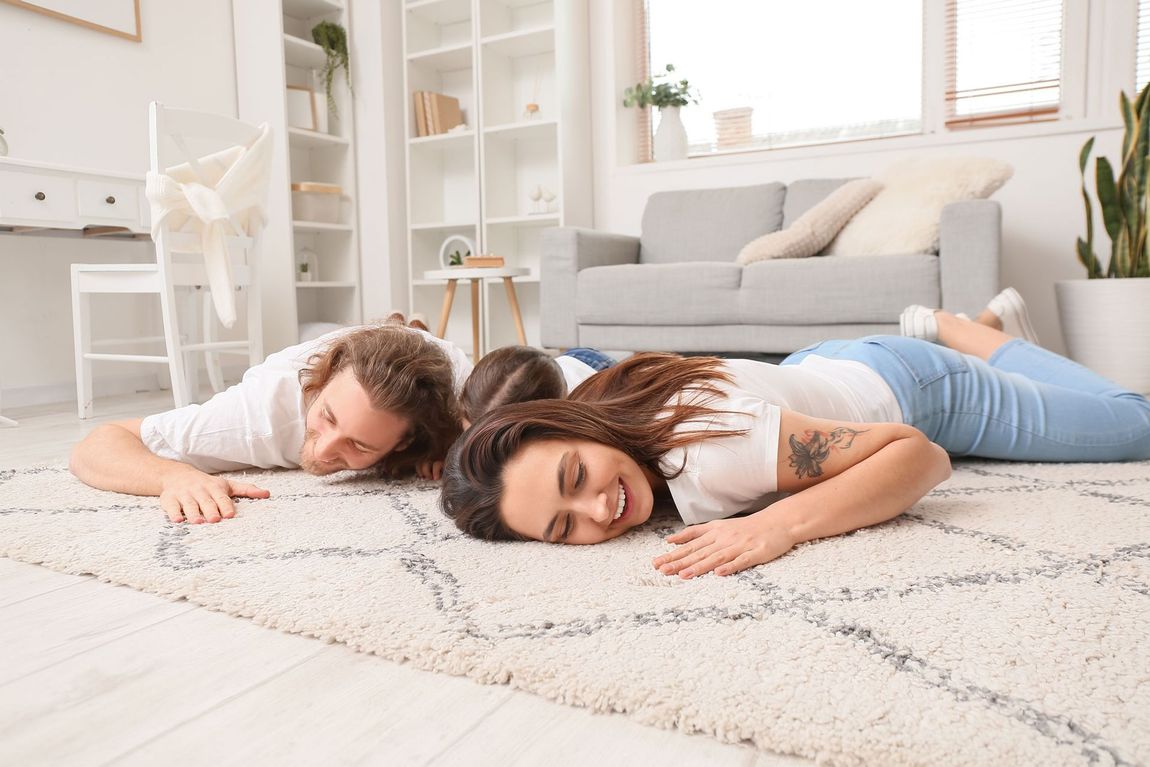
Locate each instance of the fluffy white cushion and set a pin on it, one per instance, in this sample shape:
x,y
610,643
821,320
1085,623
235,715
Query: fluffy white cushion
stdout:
x,y
810,232
904,216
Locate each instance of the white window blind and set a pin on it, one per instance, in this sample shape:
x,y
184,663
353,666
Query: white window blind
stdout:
x,y
1004,61
1142,73
806,79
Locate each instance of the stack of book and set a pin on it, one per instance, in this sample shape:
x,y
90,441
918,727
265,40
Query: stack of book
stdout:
x,y
485,260
435,113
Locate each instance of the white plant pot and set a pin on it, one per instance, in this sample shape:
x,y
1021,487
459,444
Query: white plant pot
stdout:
x,y
1106,326
671,136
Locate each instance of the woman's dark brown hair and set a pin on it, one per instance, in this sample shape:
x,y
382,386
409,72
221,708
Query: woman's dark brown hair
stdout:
x,y
402,372
637,406
511,374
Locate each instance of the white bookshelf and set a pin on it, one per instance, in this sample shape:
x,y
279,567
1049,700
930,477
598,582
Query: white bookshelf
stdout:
x,y
274,50
495,56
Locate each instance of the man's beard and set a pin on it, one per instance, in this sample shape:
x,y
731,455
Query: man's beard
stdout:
x,y
307,460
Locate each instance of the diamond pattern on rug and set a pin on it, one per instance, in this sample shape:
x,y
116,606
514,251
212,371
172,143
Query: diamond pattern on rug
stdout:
x,y
1003,620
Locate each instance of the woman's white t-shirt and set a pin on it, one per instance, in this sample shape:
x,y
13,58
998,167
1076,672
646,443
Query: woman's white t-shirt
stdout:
x,y
261,421
725,476
575,371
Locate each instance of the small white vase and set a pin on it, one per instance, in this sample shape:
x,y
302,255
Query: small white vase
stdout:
x,y
671,136
3,146
1106,326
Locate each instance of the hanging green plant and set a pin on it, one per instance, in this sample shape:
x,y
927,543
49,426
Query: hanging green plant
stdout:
x,y
333,39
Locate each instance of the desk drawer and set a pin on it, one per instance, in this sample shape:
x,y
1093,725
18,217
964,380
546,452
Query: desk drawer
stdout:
x,y
37,197
106,199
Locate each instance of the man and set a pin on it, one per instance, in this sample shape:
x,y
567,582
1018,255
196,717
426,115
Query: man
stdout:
x,y
380,397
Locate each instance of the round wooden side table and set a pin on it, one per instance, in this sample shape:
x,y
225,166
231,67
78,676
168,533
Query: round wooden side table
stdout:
x,y
476,275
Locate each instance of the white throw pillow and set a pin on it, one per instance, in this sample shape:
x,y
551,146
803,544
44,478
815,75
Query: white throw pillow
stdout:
x,y
904,216
810,232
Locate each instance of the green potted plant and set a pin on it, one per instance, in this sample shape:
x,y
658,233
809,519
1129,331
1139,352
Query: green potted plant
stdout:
x,y
669,95
1106,317
332,38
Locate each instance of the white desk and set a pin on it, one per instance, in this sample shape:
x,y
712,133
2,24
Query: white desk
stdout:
x,y
37,198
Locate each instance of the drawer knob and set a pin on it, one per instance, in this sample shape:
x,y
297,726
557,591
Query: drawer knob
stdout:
x,y
110,200
41,196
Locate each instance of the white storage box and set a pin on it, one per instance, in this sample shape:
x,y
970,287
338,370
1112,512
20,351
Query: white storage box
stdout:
x,y
313,201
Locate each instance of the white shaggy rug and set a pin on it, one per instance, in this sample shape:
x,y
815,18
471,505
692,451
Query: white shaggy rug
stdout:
x,y
1004,620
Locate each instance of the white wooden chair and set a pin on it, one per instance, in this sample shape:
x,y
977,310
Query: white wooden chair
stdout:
x,y
178,269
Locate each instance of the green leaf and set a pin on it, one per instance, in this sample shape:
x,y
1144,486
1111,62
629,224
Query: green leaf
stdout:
x,y
1108,197
1088,259
1128,120
1120,259
1084,155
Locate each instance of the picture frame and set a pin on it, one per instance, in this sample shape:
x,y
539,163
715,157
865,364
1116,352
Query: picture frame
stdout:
x,y
301,111
115,17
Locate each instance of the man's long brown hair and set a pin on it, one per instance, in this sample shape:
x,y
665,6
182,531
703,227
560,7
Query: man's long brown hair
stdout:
x,y
402,372
637,406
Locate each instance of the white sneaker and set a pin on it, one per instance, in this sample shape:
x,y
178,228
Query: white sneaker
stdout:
x,y
918,321
1009,307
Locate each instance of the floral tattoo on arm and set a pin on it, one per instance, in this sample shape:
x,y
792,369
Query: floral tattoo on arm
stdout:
x,y
808,454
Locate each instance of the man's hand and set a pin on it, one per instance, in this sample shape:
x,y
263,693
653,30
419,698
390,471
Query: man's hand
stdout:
x,y
725,546
429,470
189,494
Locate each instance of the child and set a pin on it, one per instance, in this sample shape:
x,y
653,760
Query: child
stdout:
x,y
524,373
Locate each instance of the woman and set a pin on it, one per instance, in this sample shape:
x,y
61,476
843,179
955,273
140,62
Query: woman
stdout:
x,y
854,431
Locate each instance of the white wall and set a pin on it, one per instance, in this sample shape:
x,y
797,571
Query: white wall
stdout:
x,y
1042,207
75,96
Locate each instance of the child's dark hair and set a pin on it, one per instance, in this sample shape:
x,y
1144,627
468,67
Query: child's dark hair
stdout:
x,y
511,374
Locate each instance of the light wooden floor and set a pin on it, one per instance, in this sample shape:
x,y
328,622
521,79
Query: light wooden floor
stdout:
x,y
94,674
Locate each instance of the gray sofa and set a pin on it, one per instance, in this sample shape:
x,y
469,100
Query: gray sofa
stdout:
x,y
677,287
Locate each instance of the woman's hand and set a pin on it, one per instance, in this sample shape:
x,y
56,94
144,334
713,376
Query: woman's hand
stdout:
x,y
725,546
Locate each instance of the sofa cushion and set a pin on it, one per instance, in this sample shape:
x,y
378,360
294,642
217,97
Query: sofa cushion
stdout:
x,y
659,294
708,224
804,194
904,217
810,232
834,290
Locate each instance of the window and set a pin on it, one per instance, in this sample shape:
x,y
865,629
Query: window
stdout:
x,y
1142,73
804,78
1004,61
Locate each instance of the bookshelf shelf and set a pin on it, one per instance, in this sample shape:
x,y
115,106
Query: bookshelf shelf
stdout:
x,y
313,140
440,12
528,42
302,53
309,9
444,59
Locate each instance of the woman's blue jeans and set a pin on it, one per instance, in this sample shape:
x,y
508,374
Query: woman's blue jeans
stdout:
x,y
1024,404
592,357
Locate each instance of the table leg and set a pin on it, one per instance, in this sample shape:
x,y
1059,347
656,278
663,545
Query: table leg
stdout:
x,y
514,301
475,319
448,299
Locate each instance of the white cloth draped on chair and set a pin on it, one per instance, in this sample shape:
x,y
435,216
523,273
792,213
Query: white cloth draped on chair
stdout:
x,y
218,195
